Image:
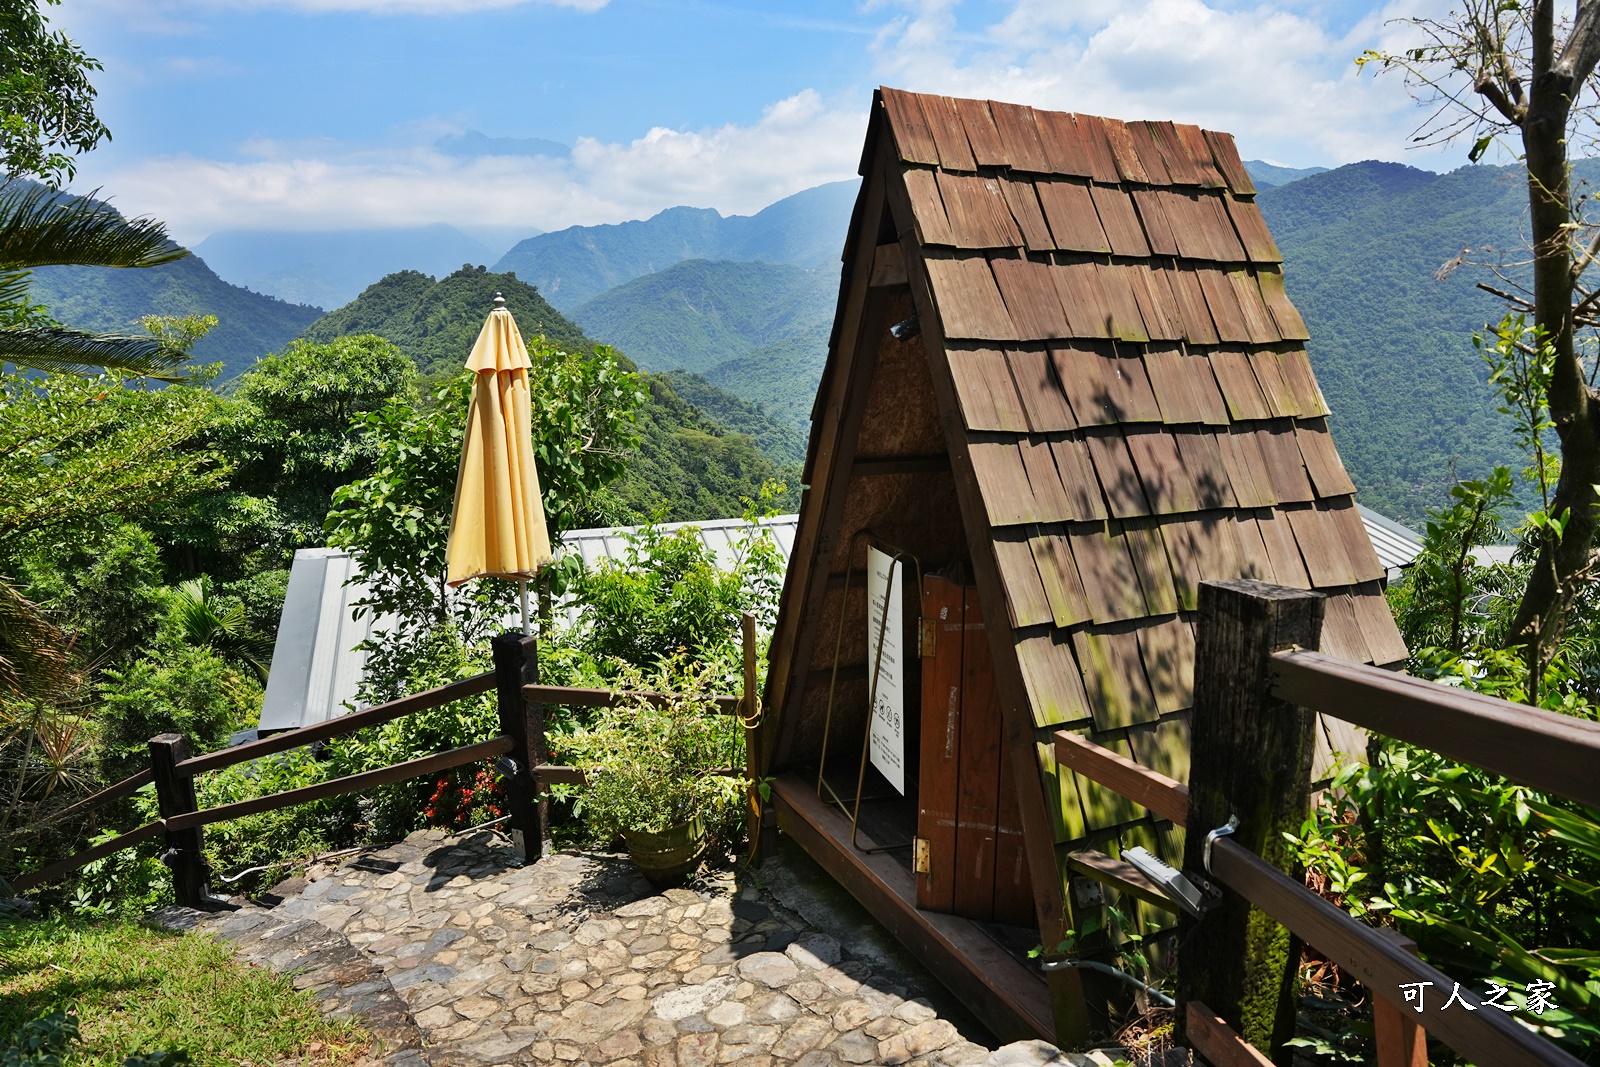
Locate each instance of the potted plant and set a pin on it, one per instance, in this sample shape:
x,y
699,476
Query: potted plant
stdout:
x,y
649,770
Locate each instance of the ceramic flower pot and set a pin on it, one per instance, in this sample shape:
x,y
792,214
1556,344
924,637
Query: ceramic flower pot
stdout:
x,y
668,857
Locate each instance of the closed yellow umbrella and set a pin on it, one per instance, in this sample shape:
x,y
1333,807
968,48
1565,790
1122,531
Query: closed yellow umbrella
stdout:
x,y
497,529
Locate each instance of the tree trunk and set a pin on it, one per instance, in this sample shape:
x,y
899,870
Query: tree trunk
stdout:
x,y
1541,616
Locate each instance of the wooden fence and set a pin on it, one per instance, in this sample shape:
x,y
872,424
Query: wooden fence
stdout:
x,y
520,749
1256,688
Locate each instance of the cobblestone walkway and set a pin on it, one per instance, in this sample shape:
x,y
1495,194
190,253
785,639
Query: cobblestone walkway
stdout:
x,y
575,959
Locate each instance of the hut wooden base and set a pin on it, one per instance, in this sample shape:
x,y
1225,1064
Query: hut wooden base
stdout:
x,y
1011,998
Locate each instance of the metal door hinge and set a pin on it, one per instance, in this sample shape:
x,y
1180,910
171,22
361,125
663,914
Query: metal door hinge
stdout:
x,y
919,855
929,638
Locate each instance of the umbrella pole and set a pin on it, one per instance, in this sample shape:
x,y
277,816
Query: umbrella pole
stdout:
x,y
524,583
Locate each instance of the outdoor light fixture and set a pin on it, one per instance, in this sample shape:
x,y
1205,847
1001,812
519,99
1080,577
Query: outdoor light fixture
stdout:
x,y
906,329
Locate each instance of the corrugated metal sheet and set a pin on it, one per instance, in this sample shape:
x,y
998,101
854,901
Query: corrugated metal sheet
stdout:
x,y
315,665
1397,546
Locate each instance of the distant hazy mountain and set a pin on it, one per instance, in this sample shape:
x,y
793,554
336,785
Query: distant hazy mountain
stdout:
x,y
1266,174
471,143
576,264
329,268
249,325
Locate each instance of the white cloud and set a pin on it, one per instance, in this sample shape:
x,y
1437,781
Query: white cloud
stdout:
x,y
799,142
1275,78
1273,75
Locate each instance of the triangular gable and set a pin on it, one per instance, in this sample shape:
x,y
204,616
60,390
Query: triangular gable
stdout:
x,y
1127,407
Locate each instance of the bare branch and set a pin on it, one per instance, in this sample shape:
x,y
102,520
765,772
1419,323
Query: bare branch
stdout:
x,y
1490,90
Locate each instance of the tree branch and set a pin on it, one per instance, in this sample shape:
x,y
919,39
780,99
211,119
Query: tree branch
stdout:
x,y
1490,90
1582,50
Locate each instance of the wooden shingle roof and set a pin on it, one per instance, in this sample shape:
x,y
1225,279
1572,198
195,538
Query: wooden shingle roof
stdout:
x,y
1139,410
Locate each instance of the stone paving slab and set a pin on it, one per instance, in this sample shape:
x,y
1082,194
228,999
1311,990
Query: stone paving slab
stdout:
x,y
577,960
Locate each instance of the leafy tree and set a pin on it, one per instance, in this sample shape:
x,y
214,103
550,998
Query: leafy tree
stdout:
x,y
46,102
1518,71
287,434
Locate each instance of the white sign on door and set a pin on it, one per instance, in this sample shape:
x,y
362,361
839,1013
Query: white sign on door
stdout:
x,y
885,578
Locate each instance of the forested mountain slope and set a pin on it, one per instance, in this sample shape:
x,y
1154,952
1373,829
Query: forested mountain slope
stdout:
x,y
690,465
1391,344
112,300
573,265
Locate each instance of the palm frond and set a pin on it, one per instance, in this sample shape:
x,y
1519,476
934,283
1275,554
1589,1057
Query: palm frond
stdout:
x,y
228,633
60,348
40,227
35,660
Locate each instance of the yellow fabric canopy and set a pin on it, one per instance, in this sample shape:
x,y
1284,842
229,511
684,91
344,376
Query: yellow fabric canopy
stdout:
x,y
497,528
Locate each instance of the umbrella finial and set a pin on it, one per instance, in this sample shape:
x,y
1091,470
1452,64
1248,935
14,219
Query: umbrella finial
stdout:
x,y
499,300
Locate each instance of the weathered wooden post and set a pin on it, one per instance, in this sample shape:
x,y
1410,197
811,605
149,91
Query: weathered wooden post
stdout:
x,y
1250,758
516,664
760,823
175,796
1399,1041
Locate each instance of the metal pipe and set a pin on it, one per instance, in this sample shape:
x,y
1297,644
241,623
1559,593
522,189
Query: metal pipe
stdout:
x,y
1155,994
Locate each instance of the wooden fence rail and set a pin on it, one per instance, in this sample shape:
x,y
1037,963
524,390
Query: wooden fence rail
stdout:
x,y
1245,684
527,771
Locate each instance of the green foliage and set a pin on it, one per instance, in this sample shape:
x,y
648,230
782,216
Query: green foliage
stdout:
x,y
686,465
435,322
666,597
648,767
202,619
179,688
46,102
74,450
778,438
397,522
271,837
288,434
103,587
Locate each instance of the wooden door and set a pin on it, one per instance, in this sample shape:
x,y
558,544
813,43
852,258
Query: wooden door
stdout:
x,y
969,857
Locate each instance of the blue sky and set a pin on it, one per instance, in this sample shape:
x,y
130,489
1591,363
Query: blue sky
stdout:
x,y
313,114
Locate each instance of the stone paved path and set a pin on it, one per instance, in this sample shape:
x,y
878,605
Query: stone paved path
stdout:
x,y
577,960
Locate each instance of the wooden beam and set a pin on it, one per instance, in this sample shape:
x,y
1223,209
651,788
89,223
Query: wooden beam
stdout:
x,y
1166,797
1210,1035
876,468
350,783
1073,1023
571,696
1123,877
25,882
1011,999
888,266
127,787
344,724
836,422
1488,1038
1550,752
1397,1039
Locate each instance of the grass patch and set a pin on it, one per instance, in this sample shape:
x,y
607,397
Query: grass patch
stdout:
x,y
136,989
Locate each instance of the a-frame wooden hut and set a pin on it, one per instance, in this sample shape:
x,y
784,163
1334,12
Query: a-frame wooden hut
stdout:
x,y
1096,395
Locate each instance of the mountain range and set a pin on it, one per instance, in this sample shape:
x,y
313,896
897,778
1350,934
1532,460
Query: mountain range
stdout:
x,y
734,312
329,268
579,263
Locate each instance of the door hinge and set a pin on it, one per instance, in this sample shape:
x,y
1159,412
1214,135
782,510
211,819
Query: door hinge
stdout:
x,y
919,855
929,637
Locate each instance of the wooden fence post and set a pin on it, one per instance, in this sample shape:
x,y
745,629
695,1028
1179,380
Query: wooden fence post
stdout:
x,y
760,823
1399,1040
1250,757
175,796
516,664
